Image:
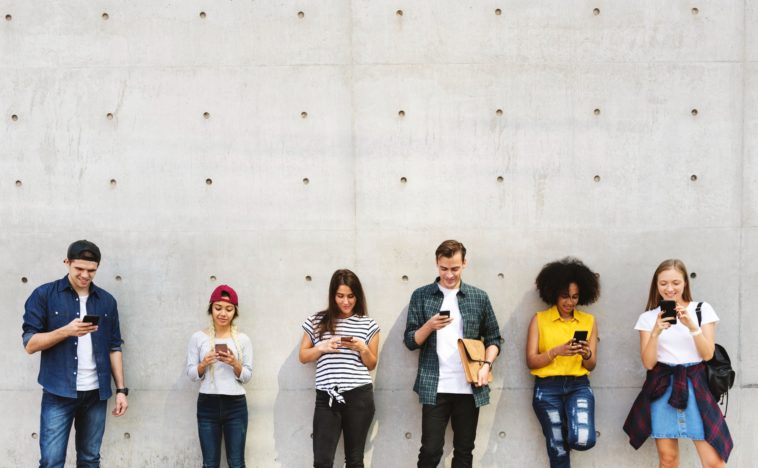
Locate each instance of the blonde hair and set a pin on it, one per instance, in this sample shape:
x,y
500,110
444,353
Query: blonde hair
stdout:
x,y
212,334
654,297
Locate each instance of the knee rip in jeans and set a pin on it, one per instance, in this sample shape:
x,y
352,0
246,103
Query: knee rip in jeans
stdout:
x,y
582,436
557,429
582,419
554,416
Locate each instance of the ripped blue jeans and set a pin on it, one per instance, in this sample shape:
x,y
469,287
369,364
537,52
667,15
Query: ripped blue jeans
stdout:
x,y
565,407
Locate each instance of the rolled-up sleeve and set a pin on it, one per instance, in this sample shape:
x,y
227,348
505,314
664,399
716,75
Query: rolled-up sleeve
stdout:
x,y
115,340
35,319
490,330
414,321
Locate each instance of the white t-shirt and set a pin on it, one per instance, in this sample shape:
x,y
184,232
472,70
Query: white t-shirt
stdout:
x,y
452,378
676,345
86,372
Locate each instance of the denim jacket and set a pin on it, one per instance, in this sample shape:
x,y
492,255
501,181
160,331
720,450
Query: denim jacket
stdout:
x,y
54,305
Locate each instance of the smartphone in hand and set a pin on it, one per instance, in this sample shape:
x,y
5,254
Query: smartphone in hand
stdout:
x,y
580,335
445,313
346,339
669,311
222,348
93,319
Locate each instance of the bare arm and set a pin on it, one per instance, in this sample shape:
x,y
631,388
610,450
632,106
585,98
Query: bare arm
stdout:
x,y
490,354
310,353
590,348
435,323
537,360
117,370
368,352
704,342
649,342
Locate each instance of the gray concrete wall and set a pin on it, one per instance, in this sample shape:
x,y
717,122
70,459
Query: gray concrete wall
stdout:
x,y
539,132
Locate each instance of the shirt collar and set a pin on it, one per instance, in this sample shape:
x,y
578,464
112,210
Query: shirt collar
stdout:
x,y
64,283
555,315
462,289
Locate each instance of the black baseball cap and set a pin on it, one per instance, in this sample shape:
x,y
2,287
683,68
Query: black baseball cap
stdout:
x,y
83,250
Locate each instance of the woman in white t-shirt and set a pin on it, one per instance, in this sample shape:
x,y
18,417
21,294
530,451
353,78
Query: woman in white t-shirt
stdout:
x,y
221,358
344,341
675,402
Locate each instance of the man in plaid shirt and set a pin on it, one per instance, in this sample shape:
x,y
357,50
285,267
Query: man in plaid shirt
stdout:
x,y
439,314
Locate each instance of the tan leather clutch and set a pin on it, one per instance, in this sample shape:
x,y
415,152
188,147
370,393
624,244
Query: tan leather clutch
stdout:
x,y
472,357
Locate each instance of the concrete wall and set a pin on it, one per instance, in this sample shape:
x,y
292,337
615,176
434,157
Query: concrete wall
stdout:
x,y
181,142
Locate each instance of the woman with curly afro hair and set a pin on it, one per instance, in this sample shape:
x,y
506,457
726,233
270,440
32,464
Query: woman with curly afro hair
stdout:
x,y
561,351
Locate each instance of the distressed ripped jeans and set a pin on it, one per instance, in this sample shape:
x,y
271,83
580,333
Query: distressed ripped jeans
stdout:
x,y
565,407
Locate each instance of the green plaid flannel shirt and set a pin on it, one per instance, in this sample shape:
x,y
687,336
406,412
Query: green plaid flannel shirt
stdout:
x,y
479,322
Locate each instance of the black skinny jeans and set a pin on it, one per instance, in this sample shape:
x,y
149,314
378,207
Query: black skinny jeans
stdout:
x,y
461,411
352,418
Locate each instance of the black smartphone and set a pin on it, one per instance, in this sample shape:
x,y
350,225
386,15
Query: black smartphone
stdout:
x,y
580,335
669,311
346,339
444,313
93,319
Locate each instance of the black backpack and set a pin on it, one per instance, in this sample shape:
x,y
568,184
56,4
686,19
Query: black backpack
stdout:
x,y
718,370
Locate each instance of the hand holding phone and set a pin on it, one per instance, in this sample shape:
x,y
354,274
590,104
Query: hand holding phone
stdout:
x,y
669,311
580,335
445,313
346,339
222,348
92,319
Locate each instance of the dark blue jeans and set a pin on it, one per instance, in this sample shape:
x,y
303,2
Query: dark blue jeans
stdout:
x,y
463,415
219,415
87,413
565,407
352,419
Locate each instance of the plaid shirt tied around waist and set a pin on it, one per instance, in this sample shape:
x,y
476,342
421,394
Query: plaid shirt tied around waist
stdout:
x,y
638,424
479,322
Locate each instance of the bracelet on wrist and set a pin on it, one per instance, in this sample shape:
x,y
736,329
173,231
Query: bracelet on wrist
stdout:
x,y
697,332
588,357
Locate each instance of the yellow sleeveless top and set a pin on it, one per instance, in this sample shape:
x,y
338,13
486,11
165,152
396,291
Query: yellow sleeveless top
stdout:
x,y
554,332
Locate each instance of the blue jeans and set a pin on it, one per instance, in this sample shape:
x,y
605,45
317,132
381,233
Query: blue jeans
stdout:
x,y
565,407
87,413
217,415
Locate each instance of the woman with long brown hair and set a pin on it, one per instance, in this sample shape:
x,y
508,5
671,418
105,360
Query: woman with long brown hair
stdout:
x,y
344,342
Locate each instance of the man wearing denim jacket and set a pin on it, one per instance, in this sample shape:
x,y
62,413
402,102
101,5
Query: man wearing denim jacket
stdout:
x,y
78,358
438,315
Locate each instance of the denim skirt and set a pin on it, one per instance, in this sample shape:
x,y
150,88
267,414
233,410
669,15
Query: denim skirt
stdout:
x,y
671,423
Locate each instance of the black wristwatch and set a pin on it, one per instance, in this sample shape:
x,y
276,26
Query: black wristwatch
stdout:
x,y
124,390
